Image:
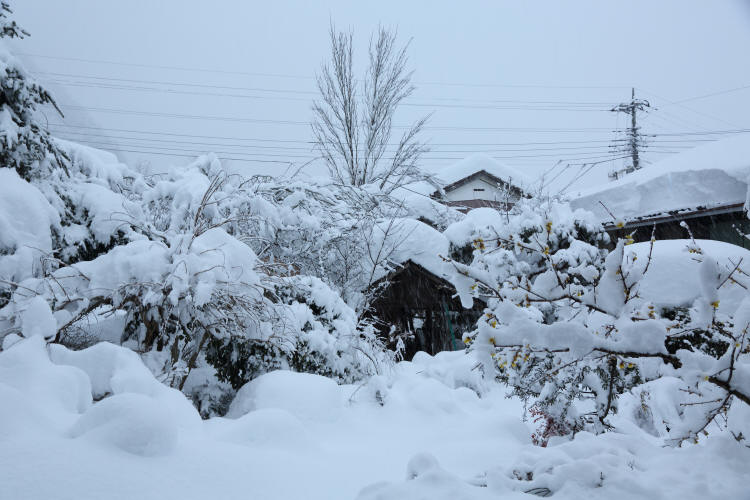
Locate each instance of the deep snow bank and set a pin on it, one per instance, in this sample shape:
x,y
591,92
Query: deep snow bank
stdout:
x,y
102,427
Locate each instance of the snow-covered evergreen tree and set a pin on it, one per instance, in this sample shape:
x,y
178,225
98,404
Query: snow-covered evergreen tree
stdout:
x,y
25,143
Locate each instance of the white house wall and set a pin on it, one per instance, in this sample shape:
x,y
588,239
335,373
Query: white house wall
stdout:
x,y
479,189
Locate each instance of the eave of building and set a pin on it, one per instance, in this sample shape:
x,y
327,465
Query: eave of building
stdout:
x,y
679,214
410,264
438,281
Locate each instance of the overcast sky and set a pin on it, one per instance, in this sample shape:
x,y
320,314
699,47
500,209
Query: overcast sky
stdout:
x,y
528,82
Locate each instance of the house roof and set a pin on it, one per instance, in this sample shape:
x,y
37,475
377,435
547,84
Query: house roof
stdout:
x,y
478,175
704,178
480,164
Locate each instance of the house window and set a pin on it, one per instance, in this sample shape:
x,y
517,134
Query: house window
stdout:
x,y
478,189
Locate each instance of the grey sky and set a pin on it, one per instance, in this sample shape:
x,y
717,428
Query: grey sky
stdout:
x,y
484,63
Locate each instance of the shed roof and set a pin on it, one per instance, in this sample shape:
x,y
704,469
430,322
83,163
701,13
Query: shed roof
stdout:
x,y
703,178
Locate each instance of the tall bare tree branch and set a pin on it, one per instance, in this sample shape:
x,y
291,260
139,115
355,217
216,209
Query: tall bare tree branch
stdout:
x,y
353,123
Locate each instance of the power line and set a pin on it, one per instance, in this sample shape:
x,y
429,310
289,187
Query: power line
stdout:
x,y
292,91
525,107
177,135
714,132
159,66
587,170
298,141
712,94
148,148
292,122
669,102
308,77
311,144
298,99
223,158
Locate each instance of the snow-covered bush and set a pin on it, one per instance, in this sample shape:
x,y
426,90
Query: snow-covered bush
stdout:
x,y
174,278
319,334
344,235
176,265
569,327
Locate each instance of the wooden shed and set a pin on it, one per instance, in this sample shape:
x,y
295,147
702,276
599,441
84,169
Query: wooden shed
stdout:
x,y
421,309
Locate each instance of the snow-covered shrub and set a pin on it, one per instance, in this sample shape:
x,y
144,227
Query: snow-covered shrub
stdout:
x,y
569,327
318,334
172,276
194,268
342,234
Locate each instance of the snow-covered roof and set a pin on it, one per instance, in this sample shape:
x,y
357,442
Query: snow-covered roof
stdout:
x,y
481,162
714,175
405,240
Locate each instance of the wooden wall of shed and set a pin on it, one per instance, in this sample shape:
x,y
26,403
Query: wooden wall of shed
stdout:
x,y
414,295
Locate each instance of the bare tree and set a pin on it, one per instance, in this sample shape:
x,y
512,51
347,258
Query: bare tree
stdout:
x,y
353,125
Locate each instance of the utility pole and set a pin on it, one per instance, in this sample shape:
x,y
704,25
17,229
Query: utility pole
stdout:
x,y
633,141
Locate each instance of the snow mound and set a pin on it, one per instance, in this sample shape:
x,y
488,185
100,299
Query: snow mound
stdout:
x,y
36,391
426,479
673,278
464,231
37,319
265,427
115,370
304,395
455,369
132,422
25,222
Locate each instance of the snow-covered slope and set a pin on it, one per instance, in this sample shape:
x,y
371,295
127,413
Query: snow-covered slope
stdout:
x,y
708,176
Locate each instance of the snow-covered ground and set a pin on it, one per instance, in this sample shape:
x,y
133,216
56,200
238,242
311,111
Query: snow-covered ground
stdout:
x,y
421,431
195,333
